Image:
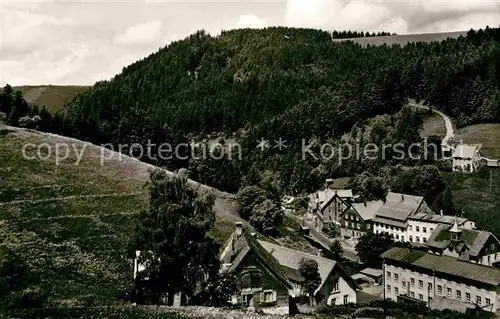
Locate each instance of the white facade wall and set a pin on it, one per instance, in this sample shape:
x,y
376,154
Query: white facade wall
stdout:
x,y
488,260
398,281
344,293
420,231
460,164
399,233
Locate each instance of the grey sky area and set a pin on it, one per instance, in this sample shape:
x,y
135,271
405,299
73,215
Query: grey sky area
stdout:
x,y
80,42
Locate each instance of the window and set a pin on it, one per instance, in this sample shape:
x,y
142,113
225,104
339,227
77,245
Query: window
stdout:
x,y
410,227
420,296
424,239
404,284
396,291
448,292
412,282
397,237
440,290
431,229
412,294
269,296
429,287
396,277
336,286
417,229
478,300
420,284
389,275
459,294
346,299
388,289
410,238
488,301
467,296
424,229
418,239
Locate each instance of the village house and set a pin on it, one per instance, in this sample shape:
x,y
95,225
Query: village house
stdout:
x,y
357,219
466,157
408,219
336,288
470,245
327,204
275,275
392,216
262,280
442,282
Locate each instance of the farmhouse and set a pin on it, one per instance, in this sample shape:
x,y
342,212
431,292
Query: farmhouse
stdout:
x,y
263,281
336,288
466,157
442,282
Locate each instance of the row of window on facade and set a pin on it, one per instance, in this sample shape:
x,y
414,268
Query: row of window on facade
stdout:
x,y
356,225
402,238
410,228
449,294
439,292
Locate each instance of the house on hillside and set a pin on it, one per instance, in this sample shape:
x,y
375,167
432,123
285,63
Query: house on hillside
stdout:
x,y
337,286
470,245
357,219
269,273
441,282
263,281
466,157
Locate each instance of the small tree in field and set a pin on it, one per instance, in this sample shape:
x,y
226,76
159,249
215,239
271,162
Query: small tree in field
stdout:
x,y
370,246
308,268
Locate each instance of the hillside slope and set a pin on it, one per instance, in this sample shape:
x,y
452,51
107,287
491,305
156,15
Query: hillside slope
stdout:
x,y
54,97
71,223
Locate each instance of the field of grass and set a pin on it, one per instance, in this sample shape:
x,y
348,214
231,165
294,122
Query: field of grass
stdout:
x,y
486,134
54,97
433,125
71,223
480,202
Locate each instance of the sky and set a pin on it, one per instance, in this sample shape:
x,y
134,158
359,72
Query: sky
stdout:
x,y
79,42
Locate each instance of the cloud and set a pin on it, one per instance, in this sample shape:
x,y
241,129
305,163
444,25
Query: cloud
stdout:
x,y
400,17
250,21
143,33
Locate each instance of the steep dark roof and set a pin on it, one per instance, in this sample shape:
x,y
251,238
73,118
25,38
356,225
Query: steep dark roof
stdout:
x,y
473,239
399,206
444,264
245,243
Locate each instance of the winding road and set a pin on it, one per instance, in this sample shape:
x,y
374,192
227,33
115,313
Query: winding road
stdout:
x,y
447,122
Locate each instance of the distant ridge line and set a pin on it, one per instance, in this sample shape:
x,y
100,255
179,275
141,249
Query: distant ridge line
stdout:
x,y
404,38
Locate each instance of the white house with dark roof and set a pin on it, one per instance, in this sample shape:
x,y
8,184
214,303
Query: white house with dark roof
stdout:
x,y
337,286
466,157
357,219
421,225
327,204
442,282
392,216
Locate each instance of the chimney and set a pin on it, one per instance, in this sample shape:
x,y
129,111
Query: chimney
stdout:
x,y
320,251
441,212
402,197
239,228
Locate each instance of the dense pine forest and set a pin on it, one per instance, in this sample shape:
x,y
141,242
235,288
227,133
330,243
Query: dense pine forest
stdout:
x,y
287,83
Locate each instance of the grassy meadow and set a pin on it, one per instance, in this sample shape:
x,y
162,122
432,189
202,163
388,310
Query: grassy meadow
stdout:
x,y
72,223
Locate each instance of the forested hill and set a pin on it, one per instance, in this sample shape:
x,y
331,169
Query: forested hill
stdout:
x,y
283,82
